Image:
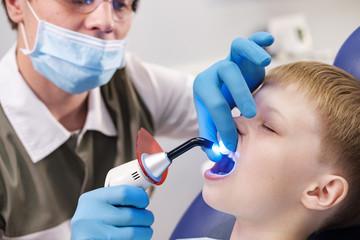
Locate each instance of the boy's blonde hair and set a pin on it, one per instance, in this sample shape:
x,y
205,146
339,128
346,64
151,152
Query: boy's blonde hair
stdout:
x,y
336,96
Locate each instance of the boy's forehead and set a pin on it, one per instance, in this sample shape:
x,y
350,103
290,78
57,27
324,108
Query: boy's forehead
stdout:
x,y
278,92
288,101
281,97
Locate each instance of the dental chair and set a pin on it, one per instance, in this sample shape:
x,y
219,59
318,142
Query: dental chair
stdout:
x,y
348,57
200,220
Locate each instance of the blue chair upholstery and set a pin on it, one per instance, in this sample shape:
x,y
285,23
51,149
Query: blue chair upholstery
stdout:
x,y
200,220
348,57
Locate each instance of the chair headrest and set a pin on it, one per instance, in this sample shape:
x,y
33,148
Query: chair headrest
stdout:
x,y
348,57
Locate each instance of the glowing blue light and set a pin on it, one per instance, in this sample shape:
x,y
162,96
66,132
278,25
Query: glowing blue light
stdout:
x,y
220,149
216,149
223,149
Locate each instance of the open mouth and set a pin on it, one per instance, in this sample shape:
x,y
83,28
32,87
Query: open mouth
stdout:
x,y
223,167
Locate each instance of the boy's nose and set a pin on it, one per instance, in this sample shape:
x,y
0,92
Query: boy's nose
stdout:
x,y
242,125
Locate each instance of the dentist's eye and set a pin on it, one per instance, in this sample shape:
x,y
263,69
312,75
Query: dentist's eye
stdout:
x,y
82,2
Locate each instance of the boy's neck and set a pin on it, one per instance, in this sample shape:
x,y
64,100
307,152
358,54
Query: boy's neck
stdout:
x,y
245,231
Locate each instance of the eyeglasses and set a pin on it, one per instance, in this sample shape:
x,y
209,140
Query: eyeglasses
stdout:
x,y
122,8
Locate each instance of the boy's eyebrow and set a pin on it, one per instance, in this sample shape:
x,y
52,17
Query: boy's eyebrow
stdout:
x,y
278,113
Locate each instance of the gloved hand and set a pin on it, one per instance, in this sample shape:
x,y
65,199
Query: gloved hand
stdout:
x,y
229,83
113,213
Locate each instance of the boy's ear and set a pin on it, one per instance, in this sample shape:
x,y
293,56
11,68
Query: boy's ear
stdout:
x,y
14,10
325,194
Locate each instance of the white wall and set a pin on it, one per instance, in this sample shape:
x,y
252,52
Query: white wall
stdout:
x,y
191,34
7,36
187,33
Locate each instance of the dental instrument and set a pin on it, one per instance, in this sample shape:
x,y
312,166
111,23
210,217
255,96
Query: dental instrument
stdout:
x,y
152,162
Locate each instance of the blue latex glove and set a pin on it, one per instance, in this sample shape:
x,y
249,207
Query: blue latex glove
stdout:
x,y
113,213
229,83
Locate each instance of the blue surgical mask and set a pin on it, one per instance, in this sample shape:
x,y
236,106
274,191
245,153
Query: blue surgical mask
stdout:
x,y
74,62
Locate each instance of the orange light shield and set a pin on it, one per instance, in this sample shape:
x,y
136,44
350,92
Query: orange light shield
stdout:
x,y
146,143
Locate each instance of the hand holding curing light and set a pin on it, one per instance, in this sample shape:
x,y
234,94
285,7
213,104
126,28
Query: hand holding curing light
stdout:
x,y
151,169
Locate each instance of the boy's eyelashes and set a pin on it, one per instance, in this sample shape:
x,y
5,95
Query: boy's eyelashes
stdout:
x,y
265,126
268,128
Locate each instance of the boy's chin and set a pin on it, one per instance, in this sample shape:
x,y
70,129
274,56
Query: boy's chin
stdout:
x,y
215,199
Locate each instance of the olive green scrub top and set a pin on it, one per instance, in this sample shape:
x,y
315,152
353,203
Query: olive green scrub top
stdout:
x,y
38,196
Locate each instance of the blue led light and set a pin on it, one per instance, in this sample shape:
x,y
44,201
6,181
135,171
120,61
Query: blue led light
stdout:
x,y
216,149
223,149
220,149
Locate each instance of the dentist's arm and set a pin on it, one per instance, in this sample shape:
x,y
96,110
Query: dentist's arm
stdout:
x,y
113,213
229,83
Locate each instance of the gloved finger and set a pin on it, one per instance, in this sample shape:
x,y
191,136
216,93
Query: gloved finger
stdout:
x,y
262,39
216,104
207,128
242,48
122,195
126,216
231,75
253,52
99,231
129,233
254,72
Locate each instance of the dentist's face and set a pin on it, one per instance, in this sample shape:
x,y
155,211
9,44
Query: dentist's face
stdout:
x,y
99,23
278,157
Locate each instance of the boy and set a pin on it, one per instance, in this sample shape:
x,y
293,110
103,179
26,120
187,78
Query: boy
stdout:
x,y
298,168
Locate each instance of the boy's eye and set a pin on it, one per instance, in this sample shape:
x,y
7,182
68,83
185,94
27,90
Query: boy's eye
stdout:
x,y
267,128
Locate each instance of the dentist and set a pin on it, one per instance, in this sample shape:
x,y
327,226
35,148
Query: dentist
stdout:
x,y
71,103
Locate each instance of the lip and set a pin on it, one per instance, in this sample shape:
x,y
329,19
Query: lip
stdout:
x,y
221,169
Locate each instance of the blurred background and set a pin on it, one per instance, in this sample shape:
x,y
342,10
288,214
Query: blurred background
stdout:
x,y
190,35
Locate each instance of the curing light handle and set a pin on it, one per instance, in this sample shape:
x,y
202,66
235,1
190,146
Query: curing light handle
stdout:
x,y
150,168
186,146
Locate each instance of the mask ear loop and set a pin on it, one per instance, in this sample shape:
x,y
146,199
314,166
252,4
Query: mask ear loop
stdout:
x,y
24,37
23,28
33,11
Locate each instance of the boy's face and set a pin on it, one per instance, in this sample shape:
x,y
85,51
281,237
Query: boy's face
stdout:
x,y
278,159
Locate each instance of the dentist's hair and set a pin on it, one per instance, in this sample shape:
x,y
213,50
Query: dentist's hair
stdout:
x,y
14,25
336,97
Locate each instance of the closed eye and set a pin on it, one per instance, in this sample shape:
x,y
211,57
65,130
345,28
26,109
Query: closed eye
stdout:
x,y
267,128
240,131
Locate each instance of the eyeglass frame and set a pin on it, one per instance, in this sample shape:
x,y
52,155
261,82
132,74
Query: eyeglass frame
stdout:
x,y
129,14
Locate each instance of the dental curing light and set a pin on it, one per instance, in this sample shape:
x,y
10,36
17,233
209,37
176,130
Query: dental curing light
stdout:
x,y
152,162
